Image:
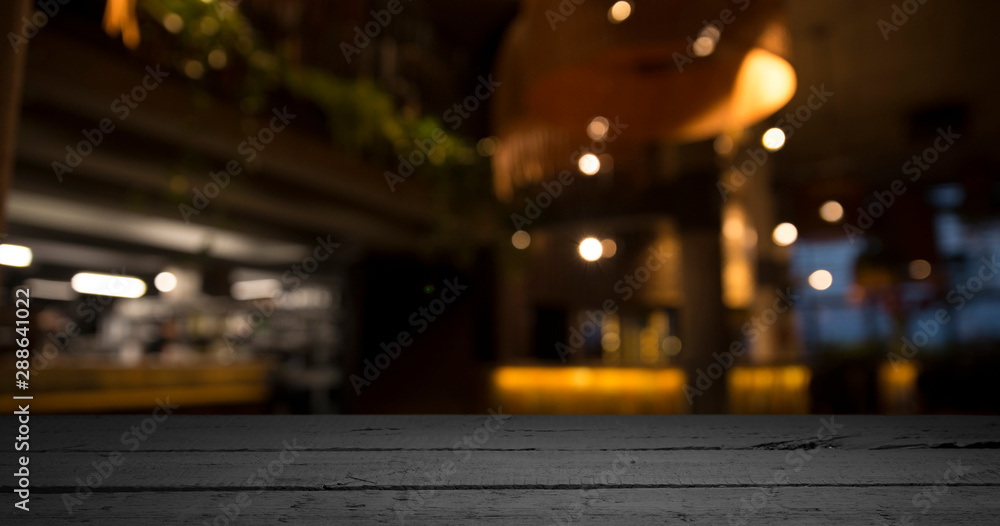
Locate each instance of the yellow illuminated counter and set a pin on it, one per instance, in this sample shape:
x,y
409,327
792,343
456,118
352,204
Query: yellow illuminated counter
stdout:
x,y
781,389
590,390
94,385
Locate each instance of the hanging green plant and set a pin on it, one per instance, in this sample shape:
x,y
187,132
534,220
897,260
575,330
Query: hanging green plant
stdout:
x,y
363,119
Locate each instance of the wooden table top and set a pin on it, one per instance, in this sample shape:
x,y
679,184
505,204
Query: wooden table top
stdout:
x,y
501,469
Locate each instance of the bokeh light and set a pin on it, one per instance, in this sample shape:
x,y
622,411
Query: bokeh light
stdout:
x,y
920,269
598,128
108,285
831,211
609,248
703,46
487,146
217,58
15,255
520,239
194,69
785,234
173,23
773,139
723,144
591,249
165,282
589,164
619,11
821,279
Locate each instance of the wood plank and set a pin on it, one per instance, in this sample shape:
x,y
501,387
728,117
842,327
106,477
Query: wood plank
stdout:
x,y
519,432
959,506
529,470
395,470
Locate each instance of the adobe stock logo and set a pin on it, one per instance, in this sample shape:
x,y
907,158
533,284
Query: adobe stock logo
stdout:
x,y
793,120
566,9
122,107
420,320
957,298
372,29
626,287
103,469
416,498
881,201
454,116
900,16
533,207
753,330
726,17
39,19
249,149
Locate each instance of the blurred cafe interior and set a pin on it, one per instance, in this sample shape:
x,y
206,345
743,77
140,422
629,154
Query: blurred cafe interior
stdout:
x,y
548,206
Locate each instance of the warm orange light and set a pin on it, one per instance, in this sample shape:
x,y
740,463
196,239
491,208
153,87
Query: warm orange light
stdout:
x,y
831,211
591,249
703,46
598,128
764,83
898,386
899,375
120,17
732,228
723,144
738,278
784,234
608,248
589,164
919,269
520,239
619,11
590,389
739,281
773,139
763,389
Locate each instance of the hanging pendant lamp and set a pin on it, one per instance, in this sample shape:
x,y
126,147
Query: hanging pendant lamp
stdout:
x,y
670,70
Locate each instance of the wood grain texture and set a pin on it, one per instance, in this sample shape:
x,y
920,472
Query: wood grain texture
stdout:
x,y
572,433
787,506
516,470
511,469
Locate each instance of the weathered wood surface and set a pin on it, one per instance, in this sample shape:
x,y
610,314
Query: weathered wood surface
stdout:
x,y
396,470
516,470
236,433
